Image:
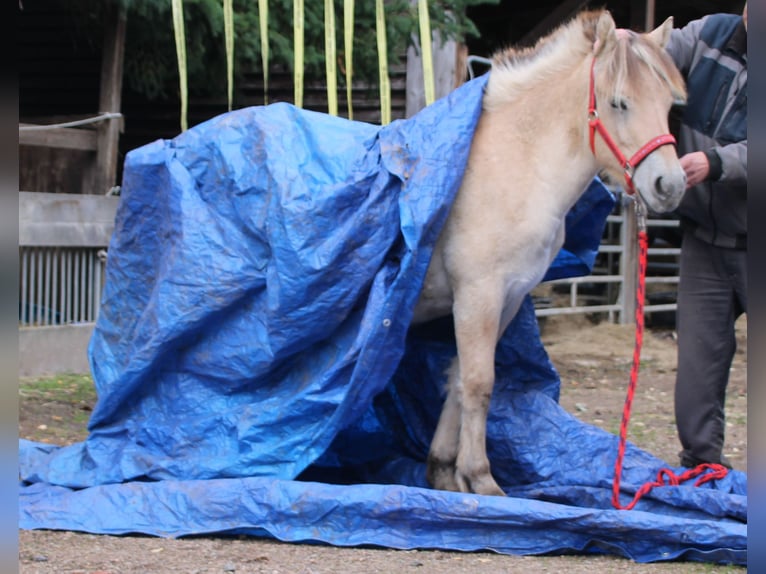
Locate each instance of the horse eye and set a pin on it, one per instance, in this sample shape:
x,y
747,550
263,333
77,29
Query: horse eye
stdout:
x,y
619,104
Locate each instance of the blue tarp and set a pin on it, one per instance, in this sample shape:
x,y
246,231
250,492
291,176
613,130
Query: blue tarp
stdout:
x,y
256,372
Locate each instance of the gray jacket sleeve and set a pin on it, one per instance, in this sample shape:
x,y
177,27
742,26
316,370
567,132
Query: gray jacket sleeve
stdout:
x,y
733,162
729,162
683,44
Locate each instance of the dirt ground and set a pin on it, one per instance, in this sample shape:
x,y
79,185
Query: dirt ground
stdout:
x,y
594,363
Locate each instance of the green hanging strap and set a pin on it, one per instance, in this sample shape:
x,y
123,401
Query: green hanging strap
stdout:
x,y
228,27
298,27
426,52
348,43
180,36
385,85
263,16
330,57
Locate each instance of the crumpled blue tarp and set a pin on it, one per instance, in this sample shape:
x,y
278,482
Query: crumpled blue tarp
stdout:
x,y
256,372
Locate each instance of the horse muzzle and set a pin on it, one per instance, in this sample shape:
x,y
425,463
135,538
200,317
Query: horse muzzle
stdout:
x,y
661,190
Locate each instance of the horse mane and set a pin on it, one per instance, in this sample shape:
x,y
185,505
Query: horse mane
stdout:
x,y
515,70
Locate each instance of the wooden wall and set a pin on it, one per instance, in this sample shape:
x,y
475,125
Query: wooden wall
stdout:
x,y
59,73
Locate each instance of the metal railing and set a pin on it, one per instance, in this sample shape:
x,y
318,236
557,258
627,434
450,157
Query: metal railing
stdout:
x,y
60,285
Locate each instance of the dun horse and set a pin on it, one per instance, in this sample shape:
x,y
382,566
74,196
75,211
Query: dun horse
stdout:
x,y
554,116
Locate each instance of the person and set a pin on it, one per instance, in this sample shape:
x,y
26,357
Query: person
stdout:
x,y
711,54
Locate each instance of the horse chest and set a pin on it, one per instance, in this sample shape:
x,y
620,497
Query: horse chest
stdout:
x,y
436,295
515,261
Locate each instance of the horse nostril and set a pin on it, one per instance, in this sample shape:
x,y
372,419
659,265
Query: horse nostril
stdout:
x,y
658,187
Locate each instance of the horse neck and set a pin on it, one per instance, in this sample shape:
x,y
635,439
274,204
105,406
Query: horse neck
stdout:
x,y
547,122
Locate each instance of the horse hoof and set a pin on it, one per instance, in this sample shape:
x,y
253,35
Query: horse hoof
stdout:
x,y
483,484
490,490
441,476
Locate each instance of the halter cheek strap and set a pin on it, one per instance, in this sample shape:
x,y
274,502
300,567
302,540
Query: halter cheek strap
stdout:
x,y
596,125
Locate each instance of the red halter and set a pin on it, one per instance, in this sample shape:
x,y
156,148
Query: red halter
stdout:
x,y
628,165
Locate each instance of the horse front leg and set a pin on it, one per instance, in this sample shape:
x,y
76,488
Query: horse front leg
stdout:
x,y
477,378
477,314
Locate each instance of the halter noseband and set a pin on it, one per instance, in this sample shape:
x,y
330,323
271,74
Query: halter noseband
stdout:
x,y
628,165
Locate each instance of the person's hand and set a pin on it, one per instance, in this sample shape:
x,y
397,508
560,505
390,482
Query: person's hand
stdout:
x,y
696,167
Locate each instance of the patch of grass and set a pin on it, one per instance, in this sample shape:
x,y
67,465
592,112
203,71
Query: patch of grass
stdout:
x,y
56,409
64,388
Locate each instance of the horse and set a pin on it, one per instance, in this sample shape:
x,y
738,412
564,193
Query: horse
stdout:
x,y
554,116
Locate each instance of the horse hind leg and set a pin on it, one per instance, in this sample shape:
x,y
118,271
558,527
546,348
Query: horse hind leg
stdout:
x,y
440,468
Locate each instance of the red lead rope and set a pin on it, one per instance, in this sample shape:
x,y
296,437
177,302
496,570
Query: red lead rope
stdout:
x,y
629,165
665,477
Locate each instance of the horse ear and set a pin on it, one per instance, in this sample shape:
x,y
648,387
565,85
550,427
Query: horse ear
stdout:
x,y
606,35
661,34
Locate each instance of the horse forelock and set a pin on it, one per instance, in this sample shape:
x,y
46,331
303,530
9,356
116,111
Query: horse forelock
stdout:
x,y
633,56
516,69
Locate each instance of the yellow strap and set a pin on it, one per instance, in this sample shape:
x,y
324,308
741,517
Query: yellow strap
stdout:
x,y
348,43
426,52
385,86
330,56
178,28
298,26
263,16
228,26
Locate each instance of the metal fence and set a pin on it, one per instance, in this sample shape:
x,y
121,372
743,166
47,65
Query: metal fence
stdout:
x,y
60,285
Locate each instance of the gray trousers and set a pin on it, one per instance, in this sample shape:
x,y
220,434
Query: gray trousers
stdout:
x,y
712,294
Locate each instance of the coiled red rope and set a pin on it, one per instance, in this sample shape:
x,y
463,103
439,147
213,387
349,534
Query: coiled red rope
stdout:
x,y
665,477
